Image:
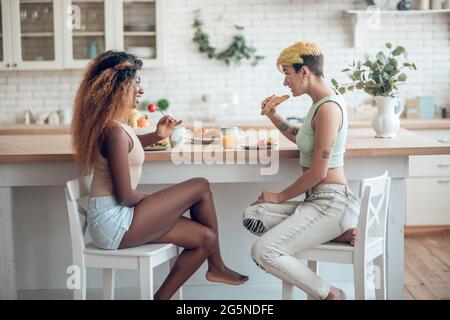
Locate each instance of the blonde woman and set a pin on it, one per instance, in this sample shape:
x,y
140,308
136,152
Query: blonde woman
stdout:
x,y
118,215
330,209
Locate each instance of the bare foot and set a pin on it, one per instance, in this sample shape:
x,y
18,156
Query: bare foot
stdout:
x,y
336,294
348,236
225,275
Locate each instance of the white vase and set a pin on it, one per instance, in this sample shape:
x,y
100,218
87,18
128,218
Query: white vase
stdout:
x,y
386,122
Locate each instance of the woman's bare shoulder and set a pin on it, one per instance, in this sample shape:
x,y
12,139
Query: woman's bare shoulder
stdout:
x,y
115,136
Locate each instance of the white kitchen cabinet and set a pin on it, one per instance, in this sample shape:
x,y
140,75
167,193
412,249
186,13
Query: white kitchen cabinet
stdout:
x,y
139,29
67,34
5,42
428,201
88,31
428,185
32,34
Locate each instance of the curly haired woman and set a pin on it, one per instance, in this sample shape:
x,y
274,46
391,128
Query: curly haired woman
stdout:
x,y
330,209
118,215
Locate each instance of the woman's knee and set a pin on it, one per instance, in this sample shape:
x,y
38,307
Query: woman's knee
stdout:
x,y
207,238
260,252
201,184
200,181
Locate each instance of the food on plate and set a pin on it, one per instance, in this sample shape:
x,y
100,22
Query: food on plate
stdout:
x,y
151,107
267,143
270,141
273,103
207,134
160,144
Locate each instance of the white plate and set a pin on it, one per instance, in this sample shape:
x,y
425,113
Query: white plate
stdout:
x,y
203,141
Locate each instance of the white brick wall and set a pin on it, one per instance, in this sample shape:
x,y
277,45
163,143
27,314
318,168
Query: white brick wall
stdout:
x,y
270,25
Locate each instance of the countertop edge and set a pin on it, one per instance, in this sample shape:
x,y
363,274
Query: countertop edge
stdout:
x,y
284,154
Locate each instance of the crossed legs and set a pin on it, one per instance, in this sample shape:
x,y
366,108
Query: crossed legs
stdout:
x,y
159,219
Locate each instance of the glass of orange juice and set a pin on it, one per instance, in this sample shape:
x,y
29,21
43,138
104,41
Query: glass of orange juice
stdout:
x,y
229,136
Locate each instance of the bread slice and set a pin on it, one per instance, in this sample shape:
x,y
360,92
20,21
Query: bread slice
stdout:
x,y
273,103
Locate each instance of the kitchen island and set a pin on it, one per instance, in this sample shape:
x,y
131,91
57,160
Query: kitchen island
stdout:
x,y
29,163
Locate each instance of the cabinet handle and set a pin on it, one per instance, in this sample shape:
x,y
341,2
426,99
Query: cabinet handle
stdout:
x,y
443,165
8,65
444,181
14,65
444,140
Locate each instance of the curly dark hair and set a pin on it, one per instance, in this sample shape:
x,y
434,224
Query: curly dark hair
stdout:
x,y
105,95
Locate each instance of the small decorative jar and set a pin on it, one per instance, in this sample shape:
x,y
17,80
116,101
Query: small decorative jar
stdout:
x,y
404,5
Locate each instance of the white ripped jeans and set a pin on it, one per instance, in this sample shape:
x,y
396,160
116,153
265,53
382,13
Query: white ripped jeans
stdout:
x,y
289,228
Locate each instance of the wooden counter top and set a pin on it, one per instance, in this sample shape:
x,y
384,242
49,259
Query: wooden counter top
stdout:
x,y
360,143
412,124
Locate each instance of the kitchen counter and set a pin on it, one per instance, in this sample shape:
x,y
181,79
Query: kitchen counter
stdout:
x,y
19,129
35,168
360,143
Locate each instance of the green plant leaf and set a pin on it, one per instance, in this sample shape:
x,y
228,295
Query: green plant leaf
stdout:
x,y
398,51
402,77
341,90
380,56
388,45
357,75
236,51
334,82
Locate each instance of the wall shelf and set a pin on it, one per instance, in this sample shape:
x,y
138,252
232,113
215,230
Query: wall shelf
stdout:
x,y
401,12
371,15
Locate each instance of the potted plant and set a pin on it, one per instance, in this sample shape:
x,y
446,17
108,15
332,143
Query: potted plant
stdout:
x,y
380,77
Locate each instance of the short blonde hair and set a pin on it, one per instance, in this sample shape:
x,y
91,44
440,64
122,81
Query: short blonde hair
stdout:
x,y
298,53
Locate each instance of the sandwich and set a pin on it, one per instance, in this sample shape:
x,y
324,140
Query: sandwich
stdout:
x,y
273,103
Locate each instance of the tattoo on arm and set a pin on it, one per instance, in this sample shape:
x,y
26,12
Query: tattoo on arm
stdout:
x,y
326,154
283,127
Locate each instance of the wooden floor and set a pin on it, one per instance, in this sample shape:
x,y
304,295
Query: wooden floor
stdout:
x,y
427,264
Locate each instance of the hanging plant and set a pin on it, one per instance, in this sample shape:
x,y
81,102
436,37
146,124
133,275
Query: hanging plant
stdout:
x,y
236,51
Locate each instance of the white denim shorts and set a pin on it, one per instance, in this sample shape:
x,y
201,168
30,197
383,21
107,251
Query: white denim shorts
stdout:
x,y
108,221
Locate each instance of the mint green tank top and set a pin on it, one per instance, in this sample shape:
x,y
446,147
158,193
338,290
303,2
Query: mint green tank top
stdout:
x,y
305,136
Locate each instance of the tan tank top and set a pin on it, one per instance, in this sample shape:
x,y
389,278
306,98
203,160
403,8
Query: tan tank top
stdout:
x,y
102,182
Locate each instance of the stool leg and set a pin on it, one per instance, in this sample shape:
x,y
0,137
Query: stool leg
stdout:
x,y
359,274
314,266
288,290
108,283
380,286
146,278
